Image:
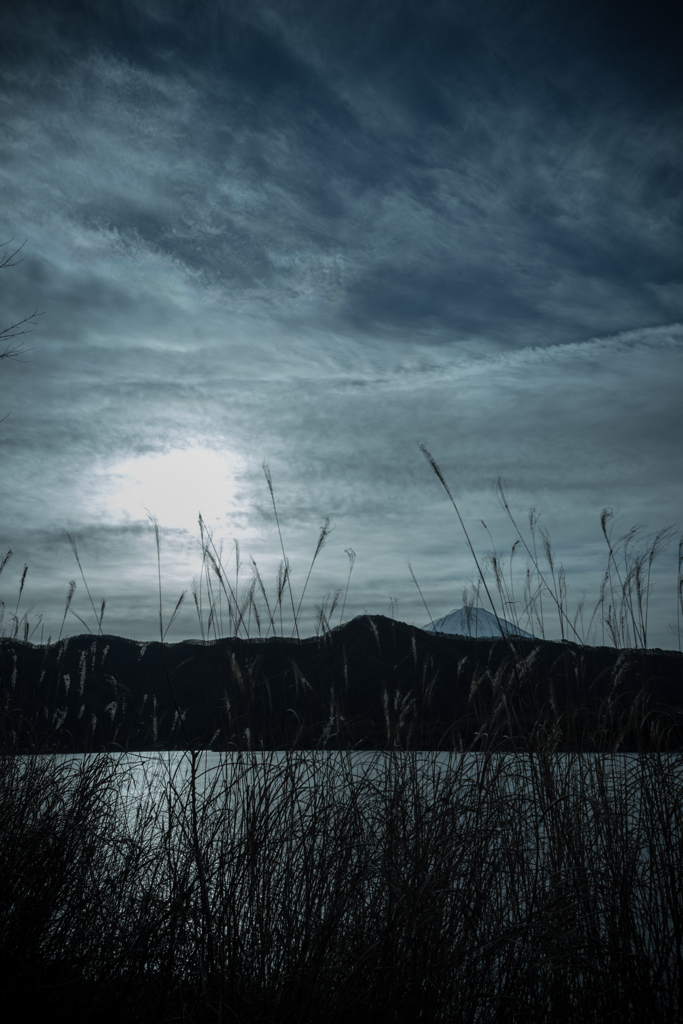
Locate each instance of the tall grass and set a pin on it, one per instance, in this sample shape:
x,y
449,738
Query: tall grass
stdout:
x,y
306,887
534,597
393,885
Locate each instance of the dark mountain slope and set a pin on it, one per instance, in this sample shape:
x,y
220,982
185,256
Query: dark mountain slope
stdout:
x,y
372,682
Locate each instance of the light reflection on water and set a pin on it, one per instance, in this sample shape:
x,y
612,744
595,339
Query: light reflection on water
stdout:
x,y
501,806
605,781
605,791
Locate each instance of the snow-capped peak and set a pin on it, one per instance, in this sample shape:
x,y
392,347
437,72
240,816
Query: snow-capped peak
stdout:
x,y
477,623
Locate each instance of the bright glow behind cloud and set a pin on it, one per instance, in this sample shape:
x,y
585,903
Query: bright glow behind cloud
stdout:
x,y
278,232
175,487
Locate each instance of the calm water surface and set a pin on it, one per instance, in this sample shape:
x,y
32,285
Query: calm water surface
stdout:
x,y
155,775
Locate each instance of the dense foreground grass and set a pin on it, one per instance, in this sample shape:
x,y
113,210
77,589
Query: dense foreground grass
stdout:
x,y
321,887
509,881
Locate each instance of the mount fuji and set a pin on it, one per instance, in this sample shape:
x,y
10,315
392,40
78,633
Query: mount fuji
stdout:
x,y
476,623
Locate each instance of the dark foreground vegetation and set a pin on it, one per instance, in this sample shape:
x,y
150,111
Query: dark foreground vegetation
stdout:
x,y
323,887
325,867
372,683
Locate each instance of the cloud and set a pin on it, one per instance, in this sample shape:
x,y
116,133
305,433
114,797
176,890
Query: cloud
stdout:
x,y
512,219
319,239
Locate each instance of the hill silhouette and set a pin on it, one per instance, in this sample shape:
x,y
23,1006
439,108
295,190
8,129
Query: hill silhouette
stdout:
x,y
373,682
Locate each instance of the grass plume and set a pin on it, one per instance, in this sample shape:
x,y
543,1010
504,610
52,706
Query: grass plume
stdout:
x,y
531,871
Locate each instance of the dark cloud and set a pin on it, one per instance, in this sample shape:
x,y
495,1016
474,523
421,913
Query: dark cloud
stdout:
x,y
320,232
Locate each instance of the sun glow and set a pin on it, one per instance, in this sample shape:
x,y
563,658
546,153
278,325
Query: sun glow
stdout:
x,y
175,487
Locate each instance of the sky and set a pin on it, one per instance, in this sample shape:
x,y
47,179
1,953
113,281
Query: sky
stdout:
x,y
319,235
